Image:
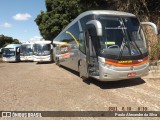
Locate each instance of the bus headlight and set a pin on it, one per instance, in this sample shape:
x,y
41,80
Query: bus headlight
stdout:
x,y
110,66
107,65
103,64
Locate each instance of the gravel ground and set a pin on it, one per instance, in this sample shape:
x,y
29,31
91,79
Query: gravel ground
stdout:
x,y
46,87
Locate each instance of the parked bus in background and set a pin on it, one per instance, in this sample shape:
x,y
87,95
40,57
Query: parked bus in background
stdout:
x,y
11,53
106,45
26,51
43,51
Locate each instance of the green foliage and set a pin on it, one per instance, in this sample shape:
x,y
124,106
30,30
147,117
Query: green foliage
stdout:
x,y
5,40
61,12
155,51
146,10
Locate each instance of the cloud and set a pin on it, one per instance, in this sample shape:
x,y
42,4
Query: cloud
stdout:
x,y
6,25
35,38
22,16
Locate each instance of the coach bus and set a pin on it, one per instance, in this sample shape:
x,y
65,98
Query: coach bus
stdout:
x,y
26,51
106,45
43,51
11,53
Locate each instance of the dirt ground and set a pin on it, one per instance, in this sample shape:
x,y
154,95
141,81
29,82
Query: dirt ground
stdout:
x,y
47,87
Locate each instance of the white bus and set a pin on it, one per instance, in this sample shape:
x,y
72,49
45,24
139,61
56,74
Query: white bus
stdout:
x,y
43,51
26,52
106,45
11,53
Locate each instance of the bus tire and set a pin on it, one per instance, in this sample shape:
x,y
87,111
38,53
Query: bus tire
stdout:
x,y
57,62
80,75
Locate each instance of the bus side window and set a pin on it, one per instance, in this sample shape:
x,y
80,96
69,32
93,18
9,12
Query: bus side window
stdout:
x,y
82,46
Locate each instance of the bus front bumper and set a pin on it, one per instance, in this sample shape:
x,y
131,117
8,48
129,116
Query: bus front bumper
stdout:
x,y
26,58
112,73
11,59
42,59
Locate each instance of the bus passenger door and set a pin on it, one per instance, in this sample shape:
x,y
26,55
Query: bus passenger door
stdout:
x,y
83,66
88,65
92,46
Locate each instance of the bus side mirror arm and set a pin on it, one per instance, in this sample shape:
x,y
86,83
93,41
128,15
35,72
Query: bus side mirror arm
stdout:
x,y
18,50
152,25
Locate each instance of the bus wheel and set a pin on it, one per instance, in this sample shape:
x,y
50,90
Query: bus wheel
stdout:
x,y
57,62
80,75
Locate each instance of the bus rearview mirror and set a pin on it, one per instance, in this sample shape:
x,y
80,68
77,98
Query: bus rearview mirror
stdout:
x,y
152,25
97,25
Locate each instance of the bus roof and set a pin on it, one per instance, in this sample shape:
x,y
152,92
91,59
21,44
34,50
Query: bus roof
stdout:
x,y
101,12
12,45
98,12
60,43
28,42
43,42
106,12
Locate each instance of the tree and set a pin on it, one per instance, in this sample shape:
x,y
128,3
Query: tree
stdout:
x,y
16,41
5,40
61,12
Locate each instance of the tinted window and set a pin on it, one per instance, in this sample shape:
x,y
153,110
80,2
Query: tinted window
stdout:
x,y
82,46
122,37
74,30
84,20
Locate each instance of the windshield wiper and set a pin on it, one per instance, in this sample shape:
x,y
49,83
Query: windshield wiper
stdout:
x,y
136,47
135,44
125,41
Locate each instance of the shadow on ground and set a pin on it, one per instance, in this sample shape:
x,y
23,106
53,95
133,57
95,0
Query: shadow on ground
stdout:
x,y
109,84
39,63
115,84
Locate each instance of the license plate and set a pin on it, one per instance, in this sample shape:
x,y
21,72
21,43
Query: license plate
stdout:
x,y
132,74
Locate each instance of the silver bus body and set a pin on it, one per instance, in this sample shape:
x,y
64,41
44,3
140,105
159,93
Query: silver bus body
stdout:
x,y
106,45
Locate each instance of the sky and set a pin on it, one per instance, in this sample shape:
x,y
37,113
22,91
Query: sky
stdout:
x,y
17,18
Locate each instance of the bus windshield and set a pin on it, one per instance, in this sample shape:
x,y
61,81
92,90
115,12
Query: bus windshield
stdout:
x,y
42,49
122,38
8,52
26,50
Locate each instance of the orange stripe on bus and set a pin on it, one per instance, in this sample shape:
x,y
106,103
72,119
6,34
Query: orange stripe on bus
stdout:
x,y
123,64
